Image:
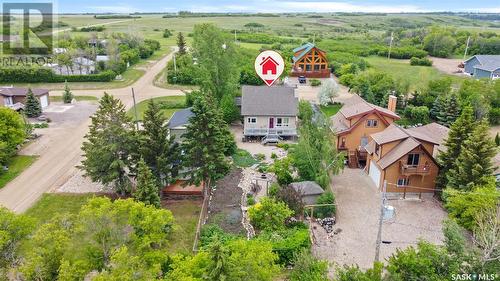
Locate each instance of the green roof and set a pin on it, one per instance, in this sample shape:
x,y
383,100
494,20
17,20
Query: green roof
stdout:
x,y
305,49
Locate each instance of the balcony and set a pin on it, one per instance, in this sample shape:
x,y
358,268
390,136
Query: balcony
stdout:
x,y
322,73
283,131
415,169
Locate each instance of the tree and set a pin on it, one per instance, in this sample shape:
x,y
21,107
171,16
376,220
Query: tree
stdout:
x,y
147,190
354,273
269,214
474,164
218,267
12,133
13,229
438,110
293,199
487,235
459,132
497,139
328,91
181,44
32,108
439,43
167,33
452,110
67,95
204,145
110,145
308,268
159,151
217,58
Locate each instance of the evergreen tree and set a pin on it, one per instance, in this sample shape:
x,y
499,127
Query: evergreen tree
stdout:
x,y
452,110
438,110
218,267
181,44
147,190
459,132
474,163
497,139
32,108
67,95
205,143
110,145
158,150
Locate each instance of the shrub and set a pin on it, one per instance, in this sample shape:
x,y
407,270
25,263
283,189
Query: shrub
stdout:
x,y
417,114
211,232
315,82
403,52
292,199
269,214
347,79
287,243
325,211
167,33
494,116
46,75
260,157
308,268
250,200
420,61
274,189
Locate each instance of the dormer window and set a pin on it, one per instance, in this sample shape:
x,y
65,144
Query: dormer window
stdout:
x,y
372,123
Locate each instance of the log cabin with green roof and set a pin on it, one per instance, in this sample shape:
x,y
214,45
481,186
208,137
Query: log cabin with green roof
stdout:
x,y
310,61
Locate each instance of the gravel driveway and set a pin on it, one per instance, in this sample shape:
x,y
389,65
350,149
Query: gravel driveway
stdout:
x,y
358,210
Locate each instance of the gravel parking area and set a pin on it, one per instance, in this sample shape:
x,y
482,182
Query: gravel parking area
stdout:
x,y
358,210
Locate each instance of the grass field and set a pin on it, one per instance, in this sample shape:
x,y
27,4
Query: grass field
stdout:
x,y
168,101
186,214
52,204
331,110
77,98
417,76
17,165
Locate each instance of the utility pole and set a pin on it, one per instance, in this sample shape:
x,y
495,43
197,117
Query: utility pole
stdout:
x,y
235,39
466,47
175,65
390,46
135,110
380,222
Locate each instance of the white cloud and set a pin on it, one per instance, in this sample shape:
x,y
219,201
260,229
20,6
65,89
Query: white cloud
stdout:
x,y
484,10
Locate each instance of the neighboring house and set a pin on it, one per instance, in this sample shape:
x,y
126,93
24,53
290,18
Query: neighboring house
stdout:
x,y
308,190
356,121
405,158
16,97
97,43
269,113
310,61
483,66
178,122
80,66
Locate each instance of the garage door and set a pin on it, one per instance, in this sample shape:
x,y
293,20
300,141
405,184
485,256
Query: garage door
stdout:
x,y
375,173
44,101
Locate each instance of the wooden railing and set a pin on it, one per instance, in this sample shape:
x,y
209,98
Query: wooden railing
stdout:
x,y
282,131
415,169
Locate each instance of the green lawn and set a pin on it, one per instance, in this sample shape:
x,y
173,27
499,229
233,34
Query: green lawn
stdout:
x,y
417,76
243,159
331,110
171,101
186,214
52,204
78,98
16,166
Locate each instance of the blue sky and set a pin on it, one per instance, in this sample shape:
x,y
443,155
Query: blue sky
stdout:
x,y
127,6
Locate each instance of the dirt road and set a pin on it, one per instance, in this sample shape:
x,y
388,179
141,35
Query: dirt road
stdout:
x,y
57,160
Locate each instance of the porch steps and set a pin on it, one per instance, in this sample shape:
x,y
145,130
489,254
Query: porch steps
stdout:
x,y
273,139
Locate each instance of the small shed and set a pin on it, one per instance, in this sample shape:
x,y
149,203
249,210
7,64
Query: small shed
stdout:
x,y
309,191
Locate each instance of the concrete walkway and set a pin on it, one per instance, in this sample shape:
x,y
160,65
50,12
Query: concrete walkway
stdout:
x,y
58,161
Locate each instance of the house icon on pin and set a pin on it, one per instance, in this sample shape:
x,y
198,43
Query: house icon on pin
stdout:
x,y
269,65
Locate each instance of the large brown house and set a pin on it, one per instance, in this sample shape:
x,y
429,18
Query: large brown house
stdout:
x,y
356,121
310,61
405,158
16,97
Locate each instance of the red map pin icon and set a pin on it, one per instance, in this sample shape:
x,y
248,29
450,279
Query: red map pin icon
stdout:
x,y
269,65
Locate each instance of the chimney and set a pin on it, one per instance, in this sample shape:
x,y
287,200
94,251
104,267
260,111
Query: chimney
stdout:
x,y
391,105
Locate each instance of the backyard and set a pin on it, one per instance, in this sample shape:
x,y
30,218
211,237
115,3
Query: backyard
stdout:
x,y
169,105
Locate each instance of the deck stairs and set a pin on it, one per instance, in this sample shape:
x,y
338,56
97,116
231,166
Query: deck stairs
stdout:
x,y
272,139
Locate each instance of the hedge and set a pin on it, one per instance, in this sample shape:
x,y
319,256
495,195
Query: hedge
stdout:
x,y
46,75
287,243
422,61
403,52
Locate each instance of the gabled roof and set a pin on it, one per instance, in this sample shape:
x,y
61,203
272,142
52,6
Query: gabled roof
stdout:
x,y
307,188
265,101
397,152
304,49
21,92
390,134
487,62
437,132
353,107
180,118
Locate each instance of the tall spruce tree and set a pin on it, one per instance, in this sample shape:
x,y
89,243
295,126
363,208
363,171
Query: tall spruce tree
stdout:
x,y
474,164
110,145
205,142
452,110
32,108
146,190
67,96
459,132
181,44
438,109
159,151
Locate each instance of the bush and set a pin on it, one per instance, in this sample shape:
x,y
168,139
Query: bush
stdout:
x,y
494,116
167,33
274,189
308,268
287,243
250,200
347,79
325,211
292,199
45,75
269,214
417,114
315,82
422,61
403,53
211,232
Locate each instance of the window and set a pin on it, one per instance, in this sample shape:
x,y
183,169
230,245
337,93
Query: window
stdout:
x,y
343,142
403,182
377,149
371,123
252,120
316,67
364,141
282,122
413,159
8,100
308,67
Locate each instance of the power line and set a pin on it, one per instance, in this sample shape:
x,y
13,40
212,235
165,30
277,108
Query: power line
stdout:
x,y
435,189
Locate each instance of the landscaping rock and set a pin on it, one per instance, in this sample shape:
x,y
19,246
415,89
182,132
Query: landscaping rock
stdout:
x,y
327,224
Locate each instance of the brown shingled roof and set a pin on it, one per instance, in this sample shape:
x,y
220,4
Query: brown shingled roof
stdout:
x,y
21,92
397,152
390,134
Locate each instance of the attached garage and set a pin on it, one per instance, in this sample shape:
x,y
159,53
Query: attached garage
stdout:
x,y
375,173
44,101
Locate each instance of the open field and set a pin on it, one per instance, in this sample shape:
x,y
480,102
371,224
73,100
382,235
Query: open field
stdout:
x,y
16,166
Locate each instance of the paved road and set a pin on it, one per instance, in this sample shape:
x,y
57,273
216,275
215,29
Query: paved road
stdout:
x,y
56,163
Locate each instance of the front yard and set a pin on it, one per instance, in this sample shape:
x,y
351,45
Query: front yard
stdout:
x,y
169,105
16,166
